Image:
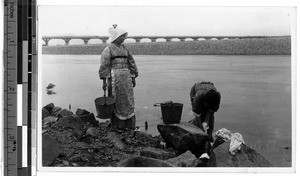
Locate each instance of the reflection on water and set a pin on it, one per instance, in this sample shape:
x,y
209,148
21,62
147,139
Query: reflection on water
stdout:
x,y
256,92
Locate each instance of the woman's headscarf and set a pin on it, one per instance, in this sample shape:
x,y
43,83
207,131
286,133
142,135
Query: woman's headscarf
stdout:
x,y
115,32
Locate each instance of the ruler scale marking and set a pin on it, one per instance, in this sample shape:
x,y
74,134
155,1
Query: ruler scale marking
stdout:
x,y
10,129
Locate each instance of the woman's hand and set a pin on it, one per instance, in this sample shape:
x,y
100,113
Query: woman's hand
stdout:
x,y
104,86
133,81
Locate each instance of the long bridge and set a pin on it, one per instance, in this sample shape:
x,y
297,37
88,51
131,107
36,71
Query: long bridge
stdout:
x,y
151,38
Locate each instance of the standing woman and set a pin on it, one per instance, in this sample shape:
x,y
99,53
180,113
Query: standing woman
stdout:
x,y
119,70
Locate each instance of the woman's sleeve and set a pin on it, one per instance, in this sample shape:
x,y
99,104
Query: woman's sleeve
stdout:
x,y
105,65
211,124
192,93
197,104
132,66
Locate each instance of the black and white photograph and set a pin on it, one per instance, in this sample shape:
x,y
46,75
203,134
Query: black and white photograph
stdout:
x,y
203,87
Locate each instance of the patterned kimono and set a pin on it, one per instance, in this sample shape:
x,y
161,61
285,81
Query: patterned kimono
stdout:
x,y
118,64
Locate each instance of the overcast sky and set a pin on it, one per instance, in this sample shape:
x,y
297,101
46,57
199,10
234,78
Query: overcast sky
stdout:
x,y
165,20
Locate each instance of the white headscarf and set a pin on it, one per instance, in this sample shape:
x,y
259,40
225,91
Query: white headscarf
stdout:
x,y
115,32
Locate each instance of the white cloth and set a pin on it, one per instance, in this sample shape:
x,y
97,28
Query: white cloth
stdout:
x,y
236,139
224,134
236,142
115,32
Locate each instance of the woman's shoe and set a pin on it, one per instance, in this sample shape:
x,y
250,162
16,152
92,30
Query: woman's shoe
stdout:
x,y
204,157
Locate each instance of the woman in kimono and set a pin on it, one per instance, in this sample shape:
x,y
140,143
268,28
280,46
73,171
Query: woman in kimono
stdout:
x,y
118,69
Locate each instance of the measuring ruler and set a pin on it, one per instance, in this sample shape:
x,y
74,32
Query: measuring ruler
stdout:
x,y
19,52
10,88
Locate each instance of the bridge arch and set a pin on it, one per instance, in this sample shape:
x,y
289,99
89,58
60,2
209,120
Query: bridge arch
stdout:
x,y
55,42
95,41
78,41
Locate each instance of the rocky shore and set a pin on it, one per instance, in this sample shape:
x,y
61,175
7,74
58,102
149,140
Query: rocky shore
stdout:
x,y
79,140
255,46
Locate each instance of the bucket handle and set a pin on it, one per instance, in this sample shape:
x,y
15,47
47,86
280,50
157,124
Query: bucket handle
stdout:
x,y
104,96
159,104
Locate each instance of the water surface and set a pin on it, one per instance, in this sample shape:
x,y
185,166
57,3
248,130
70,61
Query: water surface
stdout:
x,y
255,90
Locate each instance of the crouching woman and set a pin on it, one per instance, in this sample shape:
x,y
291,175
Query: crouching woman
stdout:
x,y
205,100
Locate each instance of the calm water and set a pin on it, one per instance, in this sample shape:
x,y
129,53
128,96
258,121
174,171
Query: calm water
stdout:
x,y
256,93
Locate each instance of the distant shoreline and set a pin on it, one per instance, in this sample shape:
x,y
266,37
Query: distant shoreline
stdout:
x,y
256,46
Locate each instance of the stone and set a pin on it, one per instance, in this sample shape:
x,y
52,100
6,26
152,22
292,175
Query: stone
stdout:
x,y
92,131
55,111
89,118
50,92
45,113
75,164
49,107
113,138
183,137
246,157
157,153
115,158
81,112
69,122
50,119
186,159
75,158
84,159
141,161
142,136
65,163
50,86
50,149
63,113
105,124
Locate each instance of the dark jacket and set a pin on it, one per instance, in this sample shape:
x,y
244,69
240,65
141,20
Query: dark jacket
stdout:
x,y
205,100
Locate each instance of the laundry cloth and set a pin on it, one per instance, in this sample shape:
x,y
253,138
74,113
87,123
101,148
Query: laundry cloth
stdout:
x,y
236,139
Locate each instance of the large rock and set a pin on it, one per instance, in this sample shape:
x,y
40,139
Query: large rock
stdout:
x,y
49,107
45,113
81,112
50,149
186,159
63,113
55,111
183,137
157,153
69,122
89,118
246,157
49,120
141,161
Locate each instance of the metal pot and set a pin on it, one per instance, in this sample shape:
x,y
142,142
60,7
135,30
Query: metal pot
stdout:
x,y
105,106
171,112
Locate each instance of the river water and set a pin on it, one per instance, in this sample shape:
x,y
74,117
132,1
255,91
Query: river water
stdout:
x,y
255,90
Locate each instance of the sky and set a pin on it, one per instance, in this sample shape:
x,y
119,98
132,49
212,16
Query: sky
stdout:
x,y
165,20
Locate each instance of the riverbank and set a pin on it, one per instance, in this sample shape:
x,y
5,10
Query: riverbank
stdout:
x,y
259,46
78,140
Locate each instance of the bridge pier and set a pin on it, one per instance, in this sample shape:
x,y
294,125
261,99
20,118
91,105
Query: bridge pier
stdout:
x,y
86,41
46,41
67,40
